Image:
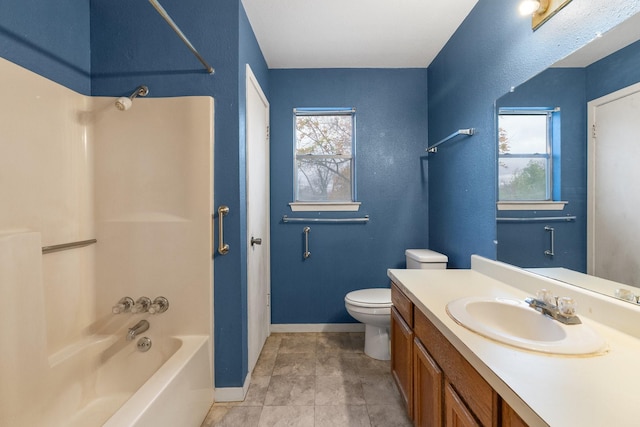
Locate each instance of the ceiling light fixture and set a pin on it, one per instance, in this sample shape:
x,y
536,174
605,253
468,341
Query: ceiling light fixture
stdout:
x,y
530,7
541,10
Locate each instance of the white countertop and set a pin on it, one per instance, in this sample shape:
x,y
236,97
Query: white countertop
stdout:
x,y
561,391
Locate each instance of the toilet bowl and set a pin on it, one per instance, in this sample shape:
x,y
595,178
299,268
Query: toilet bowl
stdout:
x,y
373,308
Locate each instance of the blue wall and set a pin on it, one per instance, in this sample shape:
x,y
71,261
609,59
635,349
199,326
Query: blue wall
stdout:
x,y
493,50
50,38
616,71
391,130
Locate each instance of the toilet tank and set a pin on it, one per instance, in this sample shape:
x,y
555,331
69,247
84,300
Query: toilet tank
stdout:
x,y
425,259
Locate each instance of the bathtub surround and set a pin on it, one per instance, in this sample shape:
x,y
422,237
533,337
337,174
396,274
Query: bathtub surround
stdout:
x,y
72,168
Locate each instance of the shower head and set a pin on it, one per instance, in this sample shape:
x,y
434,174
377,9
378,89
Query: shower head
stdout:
x,y
124,103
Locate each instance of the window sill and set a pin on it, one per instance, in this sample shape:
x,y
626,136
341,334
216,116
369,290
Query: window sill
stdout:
x,y
324,206
531,206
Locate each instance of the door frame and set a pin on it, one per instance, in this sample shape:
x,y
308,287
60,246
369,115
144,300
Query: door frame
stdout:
x,y
252,84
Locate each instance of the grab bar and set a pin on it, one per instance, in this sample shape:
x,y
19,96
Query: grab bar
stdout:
x,y
65,246
567,218
553,238
306,253
434,147
180,34
223,248
286,219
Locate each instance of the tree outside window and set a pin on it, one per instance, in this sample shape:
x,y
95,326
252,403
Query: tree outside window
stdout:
x,y
324,155
524,156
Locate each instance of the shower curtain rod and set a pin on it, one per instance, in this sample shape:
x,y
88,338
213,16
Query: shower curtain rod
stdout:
x,y
180,34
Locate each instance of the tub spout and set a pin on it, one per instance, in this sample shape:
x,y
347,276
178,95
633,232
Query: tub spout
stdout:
x,y
137,329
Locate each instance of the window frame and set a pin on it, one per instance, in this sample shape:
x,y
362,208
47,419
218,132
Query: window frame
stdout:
x,y
551,156
333,205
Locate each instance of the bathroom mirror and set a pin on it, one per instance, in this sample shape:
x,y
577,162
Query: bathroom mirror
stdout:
x,y
552,238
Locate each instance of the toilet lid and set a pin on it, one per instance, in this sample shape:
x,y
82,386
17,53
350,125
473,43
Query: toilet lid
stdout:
x,y
376,297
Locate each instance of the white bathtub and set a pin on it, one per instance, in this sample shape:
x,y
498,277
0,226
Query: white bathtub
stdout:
x,y
173,380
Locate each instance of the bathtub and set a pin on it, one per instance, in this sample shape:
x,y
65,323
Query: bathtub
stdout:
x,y
169,385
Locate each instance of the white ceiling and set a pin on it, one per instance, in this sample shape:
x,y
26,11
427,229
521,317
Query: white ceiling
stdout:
x,y
354,33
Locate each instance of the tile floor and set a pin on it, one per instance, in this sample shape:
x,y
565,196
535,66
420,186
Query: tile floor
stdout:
x,y
315,380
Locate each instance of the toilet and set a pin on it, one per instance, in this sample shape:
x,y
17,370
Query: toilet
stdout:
x,y
373,306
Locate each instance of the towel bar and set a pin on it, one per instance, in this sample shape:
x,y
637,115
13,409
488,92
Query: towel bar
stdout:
x,y
65,246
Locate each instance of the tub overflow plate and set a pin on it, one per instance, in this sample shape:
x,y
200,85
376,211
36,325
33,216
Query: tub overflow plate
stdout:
x,y
144,344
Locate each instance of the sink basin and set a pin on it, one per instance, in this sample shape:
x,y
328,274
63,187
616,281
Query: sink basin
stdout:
x,y
513,322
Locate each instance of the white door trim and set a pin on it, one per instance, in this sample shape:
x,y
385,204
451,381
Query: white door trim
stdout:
x,y
253,87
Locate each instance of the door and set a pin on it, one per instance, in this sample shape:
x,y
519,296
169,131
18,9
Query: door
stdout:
x,y
456,413
427,388
402,358
613,234
258,253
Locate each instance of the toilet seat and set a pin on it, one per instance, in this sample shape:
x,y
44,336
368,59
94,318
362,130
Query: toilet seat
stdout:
x,y
370,298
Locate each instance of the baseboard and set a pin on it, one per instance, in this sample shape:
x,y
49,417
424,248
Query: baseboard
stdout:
x,y
233,394
317,327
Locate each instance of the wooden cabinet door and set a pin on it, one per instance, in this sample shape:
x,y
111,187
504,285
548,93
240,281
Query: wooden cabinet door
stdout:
x,y
402,358
427,388
510,418
456,413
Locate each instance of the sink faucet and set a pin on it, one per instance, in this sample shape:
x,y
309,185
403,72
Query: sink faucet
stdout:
x,y
137,329
563,312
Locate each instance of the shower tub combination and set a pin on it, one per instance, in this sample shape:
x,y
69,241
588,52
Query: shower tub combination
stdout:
x,y
138,183
175,393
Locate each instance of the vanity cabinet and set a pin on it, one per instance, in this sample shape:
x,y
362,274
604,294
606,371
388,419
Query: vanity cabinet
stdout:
x,y
443,389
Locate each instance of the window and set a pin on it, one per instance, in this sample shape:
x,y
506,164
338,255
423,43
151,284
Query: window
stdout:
x,y
324,156
528,155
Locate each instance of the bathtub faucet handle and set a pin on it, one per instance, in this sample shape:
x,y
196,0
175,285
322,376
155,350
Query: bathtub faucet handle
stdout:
x,y
142,305
160,305
124,305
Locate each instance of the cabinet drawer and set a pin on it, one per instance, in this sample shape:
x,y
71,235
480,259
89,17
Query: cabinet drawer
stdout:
x,y
476,393
402,304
